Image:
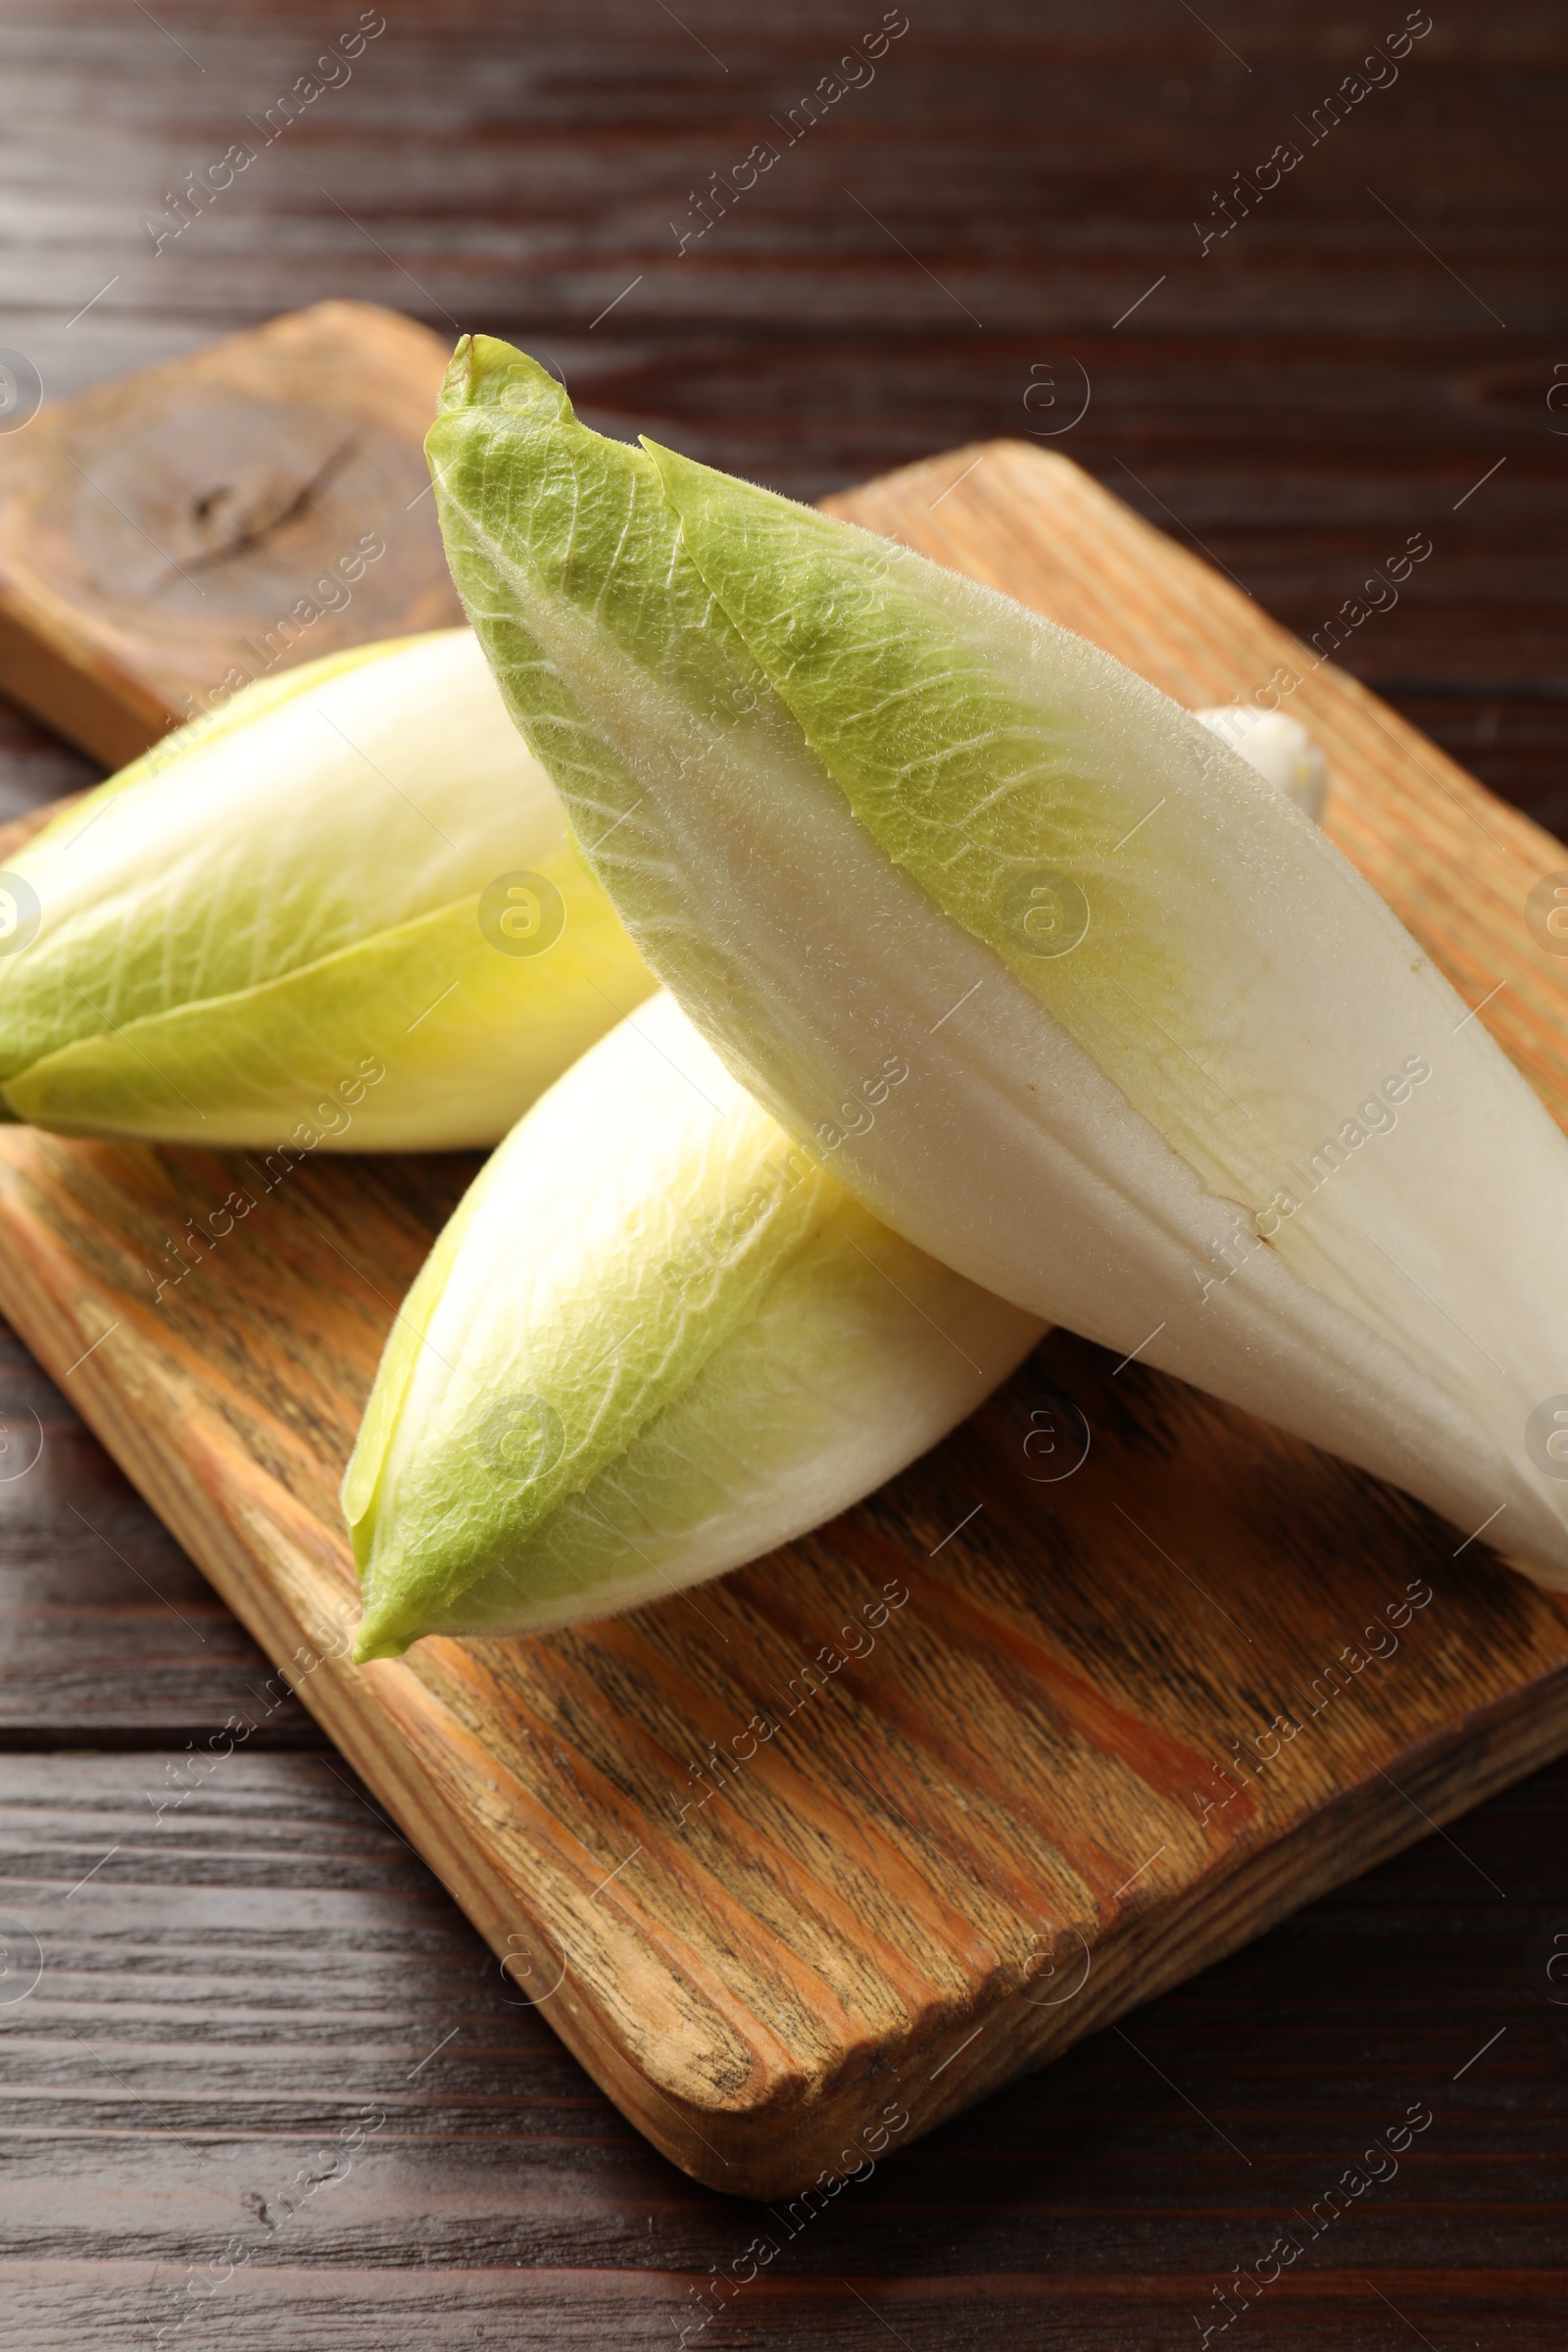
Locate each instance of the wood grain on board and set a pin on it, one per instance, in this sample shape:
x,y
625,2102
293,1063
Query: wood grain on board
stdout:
x,y
170,535
994,1750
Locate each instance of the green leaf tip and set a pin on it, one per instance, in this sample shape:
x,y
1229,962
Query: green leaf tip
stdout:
x,y
486,374
656,1341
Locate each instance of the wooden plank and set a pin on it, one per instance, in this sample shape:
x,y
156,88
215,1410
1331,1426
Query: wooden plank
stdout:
x,y
108,1632
1008,1819
171,535
34,767
244,1980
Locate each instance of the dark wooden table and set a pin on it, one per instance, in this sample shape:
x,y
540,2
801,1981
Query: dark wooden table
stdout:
x,y
267,2088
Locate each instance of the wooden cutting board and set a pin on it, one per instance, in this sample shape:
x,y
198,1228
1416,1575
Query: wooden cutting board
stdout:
x,y
171,534
804,1861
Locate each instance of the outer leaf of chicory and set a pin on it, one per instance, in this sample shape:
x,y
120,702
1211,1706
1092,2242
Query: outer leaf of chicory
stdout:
x,y
358,868
656,1341
1179,1079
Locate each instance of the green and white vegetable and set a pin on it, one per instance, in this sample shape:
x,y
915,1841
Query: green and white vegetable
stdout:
x,y
1279,747
656,1341
1177,1077
348,905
